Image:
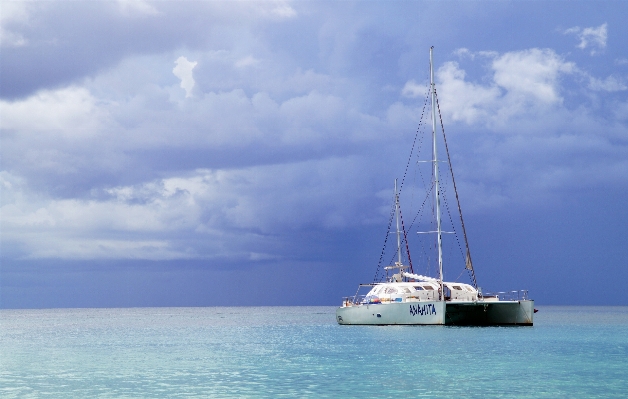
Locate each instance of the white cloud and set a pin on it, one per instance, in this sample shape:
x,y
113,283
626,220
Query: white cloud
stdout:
x,y
464,52
247,62
12,39
522,82
183,71
462,100
531,73
13,14
283,10
412,89
136,8
594,37
69,112
257,256
611,83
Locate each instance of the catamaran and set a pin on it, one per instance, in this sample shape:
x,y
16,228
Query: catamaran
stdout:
x,y
404,297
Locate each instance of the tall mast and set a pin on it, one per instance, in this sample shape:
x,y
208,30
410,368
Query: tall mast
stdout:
x,y
398,231
436,182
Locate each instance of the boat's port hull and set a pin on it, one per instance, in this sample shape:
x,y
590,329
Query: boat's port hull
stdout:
x,y
404,313
516,313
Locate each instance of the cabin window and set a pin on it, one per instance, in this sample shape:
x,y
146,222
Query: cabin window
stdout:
x,y
406,290
391,290
428,287
456,287
418,288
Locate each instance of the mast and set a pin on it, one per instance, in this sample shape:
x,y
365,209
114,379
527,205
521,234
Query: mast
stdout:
x,y
436,182
398,231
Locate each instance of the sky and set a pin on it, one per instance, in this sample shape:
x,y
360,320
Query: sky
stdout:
x,y
207,153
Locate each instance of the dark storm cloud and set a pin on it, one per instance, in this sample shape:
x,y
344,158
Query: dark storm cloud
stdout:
x,y
68,40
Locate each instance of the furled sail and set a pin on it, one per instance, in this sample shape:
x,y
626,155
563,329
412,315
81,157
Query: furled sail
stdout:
x,y
468,263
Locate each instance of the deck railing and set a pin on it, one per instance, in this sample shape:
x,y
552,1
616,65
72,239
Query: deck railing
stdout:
x,y
515,295
353,300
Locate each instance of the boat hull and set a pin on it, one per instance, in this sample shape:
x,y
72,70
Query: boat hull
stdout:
x,y
498,313
403,313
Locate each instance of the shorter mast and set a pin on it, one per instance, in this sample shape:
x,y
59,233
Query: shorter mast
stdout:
x,y
398,231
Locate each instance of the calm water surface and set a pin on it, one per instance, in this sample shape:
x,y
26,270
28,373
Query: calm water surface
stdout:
x,y
301,352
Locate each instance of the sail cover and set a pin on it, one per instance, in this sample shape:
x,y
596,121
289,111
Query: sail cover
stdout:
x,y
419,277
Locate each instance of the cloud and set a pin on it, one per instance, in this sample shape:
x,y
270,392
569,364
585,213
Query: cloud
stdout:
x,y
522,112
14,15
209,208
531,73
522,82
283,10
594,38
412,89
136,8
183,71
247,62
611,83
129,125
462,100
286,127
71,112
48,45
466,53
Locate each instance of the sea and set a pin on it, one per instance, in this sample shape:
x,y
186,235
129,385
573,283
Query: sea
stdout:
x,y
300,352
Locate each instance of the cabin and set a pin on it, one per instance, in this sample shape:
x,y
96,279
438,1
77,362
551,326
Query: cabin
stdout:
x,y
416,291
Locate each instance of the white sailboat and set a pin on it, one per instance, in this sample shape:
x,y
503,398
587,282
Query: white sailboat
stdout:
x,y
409,298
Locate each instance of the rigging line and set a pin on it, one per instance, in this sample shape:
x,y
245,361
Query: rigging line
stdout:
x,y
405,237
464,231
422,207
460,274
414,142
418,214
418,169
451,220
381,255
421,125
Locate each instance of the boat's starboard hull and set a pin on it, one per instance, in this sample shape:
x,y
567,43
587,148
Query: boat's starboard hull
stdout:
x,y
499,313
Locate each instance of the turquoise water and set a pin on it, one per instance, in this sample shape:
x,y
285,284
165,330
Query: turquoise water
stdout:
x,y
301,352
